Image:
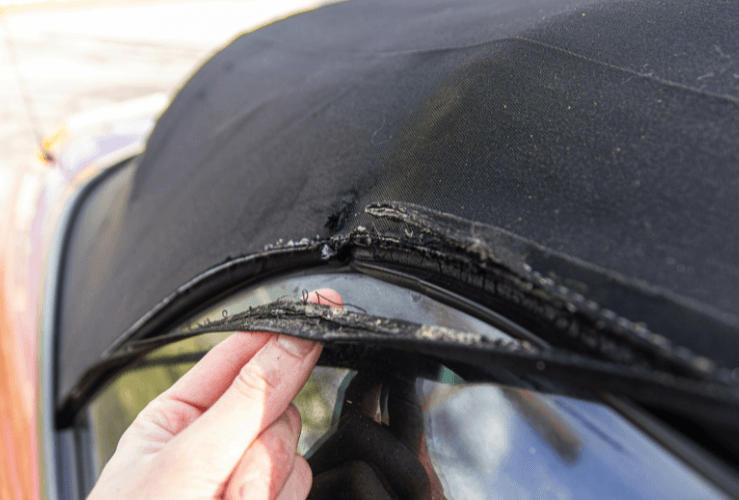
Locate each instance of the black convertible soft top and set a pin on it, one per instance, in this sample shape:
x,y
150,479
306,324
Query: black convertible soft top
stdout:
x,y
573,165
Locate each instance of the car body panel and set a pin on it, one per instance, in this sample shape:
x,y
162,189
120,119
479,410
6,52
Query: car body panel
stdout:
x,y
79,150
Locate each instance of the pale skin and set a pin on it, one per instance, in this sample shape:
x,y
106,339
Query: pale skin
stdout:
x,y
226,430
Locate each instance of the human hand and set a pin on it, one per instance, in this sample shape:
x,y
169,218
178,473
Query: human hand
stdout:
x,y
225,430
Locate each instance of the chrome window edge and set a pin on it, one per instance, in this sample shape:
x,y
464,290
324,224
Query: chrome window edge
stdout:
x,y
48,330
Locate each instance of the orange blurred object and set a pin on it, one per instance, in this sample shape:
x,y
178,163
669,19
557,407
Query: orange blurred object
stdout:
x,y
17,461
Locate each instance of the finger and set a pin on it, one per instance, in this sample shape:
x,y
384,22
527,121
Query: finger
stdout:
x,y
258,395
265,467
299,483
205,382
197,390
261,392
326,297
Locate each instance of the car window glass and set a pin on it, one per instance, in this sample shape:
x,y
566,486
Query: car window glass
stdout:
x,y
480,440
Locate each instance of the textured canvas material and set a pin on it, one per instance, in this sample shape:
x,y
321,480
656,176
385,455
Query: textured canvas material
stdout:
x,y
605,131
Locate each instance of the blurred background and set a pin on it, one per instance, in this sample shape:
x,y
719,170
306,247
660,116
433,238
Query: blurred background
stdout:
x,y
63,58
58,58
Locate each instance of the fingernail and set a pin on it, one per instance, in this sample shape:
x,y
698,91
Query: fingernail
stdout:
x,y
295,346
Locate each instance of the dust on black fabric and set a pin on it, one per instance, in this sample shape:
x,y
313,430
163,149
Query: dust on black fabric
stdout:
x,y
598,135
